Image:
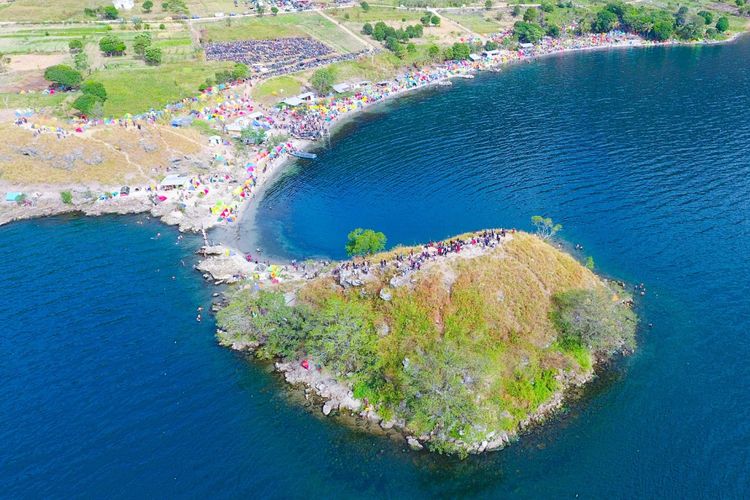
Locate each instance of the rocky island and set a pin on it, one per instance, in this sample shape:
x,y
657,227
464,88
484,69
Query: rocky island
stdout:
x,y
459,345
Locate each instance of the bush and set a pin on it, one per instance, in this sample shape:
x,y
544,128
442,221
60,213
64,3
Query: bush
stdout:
x,y
365,242
722,24
110,12
66,197
141,42
367,29
322,80
365,6
707,16
75,46
240,71
531,15
596,318
63,76
153,56
86,104
112,45
528,32
95,89
147,6
604,22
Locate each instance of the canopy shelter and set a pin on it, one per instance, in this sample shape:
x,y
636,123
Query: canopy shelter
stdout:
x,y
292,101
174,181
340,88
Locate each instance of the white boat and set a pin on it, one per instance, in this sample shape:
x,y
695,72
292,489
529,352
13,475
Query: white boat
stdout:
x,y
465,75
445,83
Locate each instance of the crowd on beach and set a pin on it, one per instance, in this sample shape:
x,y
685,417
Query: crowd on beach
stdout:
x,y
225,104
270,54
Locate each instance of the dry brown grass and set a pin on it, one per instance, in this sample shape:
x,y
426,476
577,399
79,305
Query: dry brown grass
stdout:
x,y
101,157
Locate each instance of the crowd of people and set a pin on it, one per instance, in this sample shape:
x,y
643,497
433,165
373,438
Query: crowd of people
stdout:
x,y
270,55
407,262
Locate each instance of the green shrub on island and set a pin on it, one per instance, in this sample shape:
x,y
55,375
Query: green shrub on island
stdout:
x,y
94,88
147,6
91,101
66,197
471,348
361,242
110,12
63,76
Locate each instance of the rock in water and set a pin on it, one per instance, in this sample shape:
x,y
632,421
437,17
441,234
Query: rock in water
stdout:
x,y
414,443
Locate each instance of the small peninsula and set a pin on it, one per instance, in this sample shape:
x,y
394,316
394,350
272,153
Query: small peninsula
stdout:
x,y
457,345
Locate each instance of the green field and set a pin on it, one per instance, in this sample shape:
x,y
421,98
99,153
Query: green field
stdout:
x,y
481,22
275,89
286,25
375,14
41,11
138,89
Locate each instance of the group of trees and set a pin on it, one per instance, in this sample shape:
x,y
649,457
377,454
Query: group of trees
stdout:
x,y
457,52
361,242
657,24
108,12
394,39
142,46
238,72
430,19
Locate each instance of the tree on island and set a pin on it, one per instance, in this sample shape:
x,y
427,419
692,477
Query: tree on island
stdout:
x,y
274,10
528,32
63,76
545,227
75,46
605,21
364,242
141,42
365,6
91,101
147,6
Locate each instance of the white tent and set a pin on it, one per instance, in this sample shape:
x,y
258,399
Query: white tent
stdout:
x,y
341,88
173,181
292,101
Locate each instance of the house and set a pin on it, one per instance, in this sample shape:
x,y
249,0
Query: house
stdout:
x,y
307,96
174,181
490,53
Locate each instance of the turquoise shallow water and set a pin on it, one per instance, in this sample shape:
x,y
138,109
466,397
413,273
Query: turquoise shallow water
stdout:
x,y
109,387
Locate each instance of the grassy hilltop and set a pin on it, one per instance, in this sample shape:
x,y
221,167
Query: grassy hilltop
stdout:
x,y
473,347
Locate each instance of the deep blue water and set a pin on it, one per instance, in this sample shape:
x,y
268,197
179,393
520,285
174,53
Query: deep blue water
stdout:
x,y
109,387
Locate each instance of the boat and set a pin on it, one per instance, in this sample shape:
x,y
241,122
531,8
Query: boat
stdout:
x,y
467,76
304,155
445,83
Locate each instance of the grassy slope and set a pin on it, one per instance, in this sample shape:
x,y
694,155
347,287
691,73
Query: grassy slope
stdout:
x,y
140,88
40,11
480,325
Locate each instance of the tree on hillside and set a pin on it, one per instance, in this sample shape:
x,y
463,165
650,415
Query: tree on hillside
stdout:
x,y
87,104
365,6
545,227
75,46
240,71
112,45
604,22
147,6
531,15
367,29
153,56
274,10
63,76
250,135
707,16
662,30
364,242
81,61
516,11
322,80
595,319
435,20
141,42
528,32
487,4
110,12
722,24
95,89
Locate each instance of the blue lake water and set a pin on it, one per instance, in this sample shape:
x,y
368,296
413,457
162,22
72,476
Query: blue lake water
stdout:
x,y
109,387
